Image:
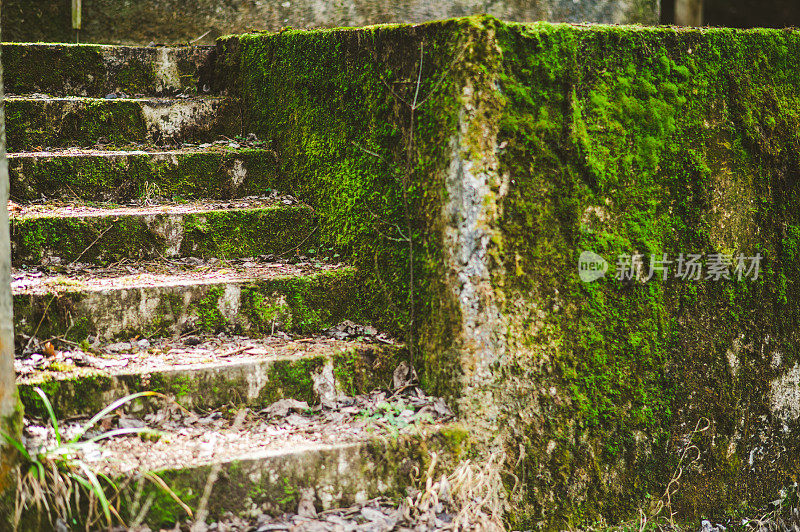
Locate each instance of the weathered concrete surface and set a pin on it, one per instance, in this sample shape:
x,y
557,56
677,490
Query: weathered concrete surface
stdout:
x,y
40,123
123,176
91,70
331,475
535,143
306,372
256,302
177,21
58,236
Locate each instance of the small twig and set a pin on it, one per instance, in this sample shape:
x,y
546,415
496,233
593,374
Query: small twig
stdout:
x,y
237,351
158,481
61,338
41,320
674,484
441,77
200,38
394,93
403,238
188,333
93,243
419,76
281,254
370,152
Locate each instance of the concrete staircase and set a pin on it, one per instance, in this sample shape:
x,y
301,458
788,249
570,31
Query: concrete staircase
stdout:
x,y
154,249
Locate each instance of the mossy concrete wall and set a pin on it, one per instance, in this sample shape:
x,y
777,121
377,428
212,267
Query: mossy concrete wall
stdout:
x,y
527,145
178,21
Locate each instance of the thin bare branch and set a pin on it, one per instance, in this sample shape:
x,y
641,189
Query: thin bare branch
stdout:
x,y
394,93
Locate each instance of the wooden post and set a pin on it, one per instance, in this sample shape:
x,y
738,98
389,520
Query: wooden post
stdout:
x,y
689,12
76,14
10,409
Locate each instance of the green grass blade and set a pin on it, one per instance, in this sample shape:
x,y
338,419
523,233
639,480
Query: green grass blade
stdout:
x,y
82,481
159,482
110,434
40,469
110,408
17,445
50,412
124,432
97,489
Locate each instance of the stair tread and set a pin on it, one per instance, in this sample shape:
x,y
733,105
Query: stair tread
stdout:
x,y
191,441
120,47
139,149
91,99
81,210
160,355
162,274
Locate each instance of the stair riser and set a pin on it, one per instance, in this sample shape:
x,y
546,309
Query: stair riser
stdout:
x,y
255,384
92,70
302,304
125,177
108,239
339,476
35,124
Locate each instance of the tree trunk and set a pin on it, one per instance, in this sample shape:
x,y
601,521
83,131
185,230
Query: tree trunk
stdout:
x,y
10,409
689,12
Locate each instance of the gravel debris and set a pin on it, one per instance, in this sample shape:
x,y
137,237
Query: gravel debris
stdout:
x,y
187,270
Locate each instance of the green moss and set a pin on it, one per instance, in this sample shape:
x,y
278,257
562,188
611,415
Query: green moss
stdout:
x,y
50,70
84,391
619,141
457,440
359,371
324,122
36,123
210,318
292,379
307,304
107,239
123,178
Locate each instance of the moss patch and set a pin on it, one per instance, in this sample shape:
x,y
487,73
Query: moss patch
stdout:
x,y
107,239
620,140
120,178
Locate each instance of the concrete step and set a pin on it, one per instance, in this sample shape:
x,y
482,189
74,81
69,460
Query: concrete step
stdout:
x,y
61,234
37,123
206,372
216,172
328,458
97,70
172,298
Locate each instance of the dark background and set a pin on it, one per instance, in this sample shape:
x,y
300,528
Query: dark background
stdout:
x,y
743,13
